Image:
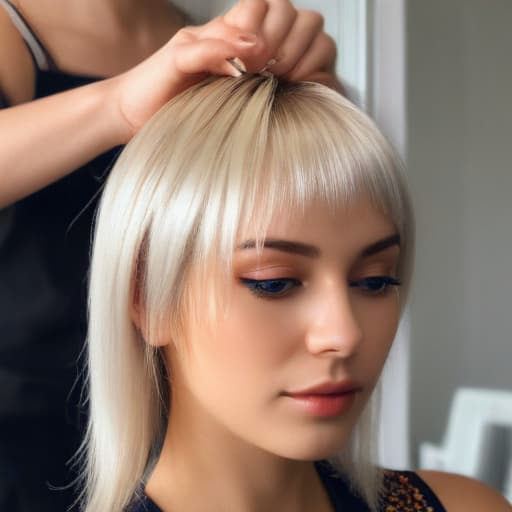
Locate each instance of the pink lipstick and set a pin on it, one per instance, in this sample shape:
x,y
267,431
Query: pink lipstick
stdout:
x,y
327,400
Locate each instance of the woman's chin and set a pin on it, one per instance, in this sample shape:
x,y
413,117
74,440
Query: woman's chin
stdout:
x,y
314,446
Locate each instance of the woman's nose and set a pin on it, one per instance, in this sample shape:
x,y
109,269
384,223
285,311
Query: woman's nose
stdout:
x,y
333,328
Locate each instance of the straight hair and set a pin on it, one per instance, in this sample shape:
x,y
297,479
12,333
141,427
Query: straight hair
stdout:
x,y
225,155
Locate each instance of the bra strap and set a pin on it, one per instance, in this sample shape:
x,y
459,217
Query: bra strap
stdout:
x,y
40,55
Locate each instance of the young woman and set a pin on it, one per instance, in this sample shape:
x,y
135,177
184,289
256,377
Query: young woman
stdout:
x,y
61,127
252,256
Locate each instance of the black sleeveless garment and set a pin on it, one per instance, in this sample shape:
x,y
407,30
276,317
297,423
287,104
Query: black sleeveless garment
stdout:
x,y
45,241
403,491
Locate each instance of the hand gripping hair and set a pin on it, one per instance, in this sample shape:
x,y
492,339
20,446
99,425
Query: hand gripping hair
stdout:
x,y
224,155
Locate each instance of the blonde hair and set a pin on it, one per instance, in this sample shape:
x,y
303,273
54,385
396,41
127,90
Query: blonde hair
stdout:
x,y
225,154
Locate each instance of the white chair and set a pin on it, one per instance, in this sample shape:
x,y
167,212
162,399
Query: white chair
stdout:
x,y
471,430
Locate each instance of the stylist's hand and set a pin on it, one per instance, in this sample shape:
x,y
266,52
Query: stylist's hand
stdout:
x,y
293,37
255,31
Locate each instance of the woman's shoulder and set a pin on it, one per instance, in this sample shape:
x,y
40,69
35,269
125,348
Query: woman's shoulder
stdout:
x,y
463,494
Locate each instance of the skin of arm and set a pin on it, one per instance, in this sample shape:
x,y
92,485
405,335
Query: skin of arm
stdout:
x,y
462,494
44,139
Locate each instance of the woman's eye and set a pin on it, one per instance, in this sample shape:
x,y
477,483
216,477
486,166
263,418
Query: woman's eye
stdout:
x,y
270,287
376,284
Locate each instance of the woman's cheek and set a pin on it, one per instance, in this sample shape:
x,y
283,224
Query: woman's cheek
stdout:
x,y
258,332
380,326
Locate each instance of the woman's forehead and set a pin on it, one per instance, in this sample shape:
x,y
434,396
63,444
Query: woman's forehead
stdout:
x,y
317,215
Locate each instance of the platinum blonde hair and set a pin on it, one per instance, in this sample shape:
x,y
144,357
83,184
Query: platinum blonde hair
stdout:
x,y
224,155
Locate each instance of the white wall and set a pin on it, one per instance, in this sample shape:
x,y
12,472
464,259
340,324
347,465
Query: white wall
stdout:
x,y
460,137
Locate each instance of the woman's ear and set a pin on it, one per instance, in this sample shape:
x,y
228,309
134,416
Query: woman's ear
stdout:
x,y
138,315
136,311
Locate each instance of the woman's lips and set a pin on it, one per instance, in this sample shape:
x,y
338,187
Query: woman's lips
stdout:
x,y
325,406
325,401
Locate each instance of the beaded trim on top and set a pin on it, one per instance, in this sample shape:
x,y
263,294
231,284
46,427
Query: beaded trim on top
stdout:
x,y
402,496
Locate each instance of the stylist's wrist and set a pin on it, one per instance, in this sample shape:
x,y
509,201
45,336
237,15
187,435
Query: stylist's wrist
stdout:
x,y
120,129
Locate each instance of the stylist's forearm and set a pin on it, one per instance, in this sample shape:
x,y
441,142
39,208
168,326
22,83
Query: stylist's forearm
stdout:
x,y
46,139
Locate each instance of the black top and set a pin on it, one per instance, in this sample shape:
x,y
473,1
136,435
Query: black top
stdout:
x,y
44,257
404,491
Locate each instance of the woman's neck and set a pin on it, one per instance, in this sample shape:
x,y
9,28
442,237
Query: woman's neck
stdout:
x,y
201,462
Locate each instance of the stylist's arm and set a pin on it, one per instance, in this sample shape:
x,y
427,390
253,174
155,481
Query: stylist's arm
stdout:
x,y
45,139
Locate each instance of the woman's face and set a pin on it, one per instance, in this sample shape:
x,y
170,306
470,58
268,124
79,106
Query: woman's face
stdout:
x,y
317,307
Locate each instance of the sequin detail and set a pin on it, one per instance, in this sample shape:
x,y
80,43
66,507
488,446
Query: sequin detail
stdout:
x,y
400,495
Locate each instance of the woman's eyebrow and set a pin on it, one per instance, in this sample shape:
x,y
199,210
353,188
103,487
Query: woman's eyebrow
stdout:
x,y
381,245
311,251
289,246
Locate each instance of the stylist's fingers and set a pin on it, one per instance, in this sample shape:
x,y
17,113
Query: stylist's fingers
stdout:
x,y
247,15
320,57
221,36
303,34
218,29
274,28
196,51
207,56
280,20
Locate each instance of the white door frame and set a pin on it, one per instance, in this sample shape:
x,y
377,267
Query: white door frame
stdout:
x,y
387,105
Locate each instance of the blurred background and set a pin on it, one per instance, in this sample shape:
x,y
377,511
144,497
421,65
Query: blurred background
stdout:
x,y
459,136
437,77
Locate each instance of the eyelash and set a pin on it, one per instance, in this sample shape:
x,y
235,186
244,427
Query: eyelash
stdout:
x,y
383,285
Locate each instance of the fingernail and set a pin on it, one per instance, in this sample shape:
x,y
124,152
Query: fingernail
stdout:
x,y
247,39
238,65
236,73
